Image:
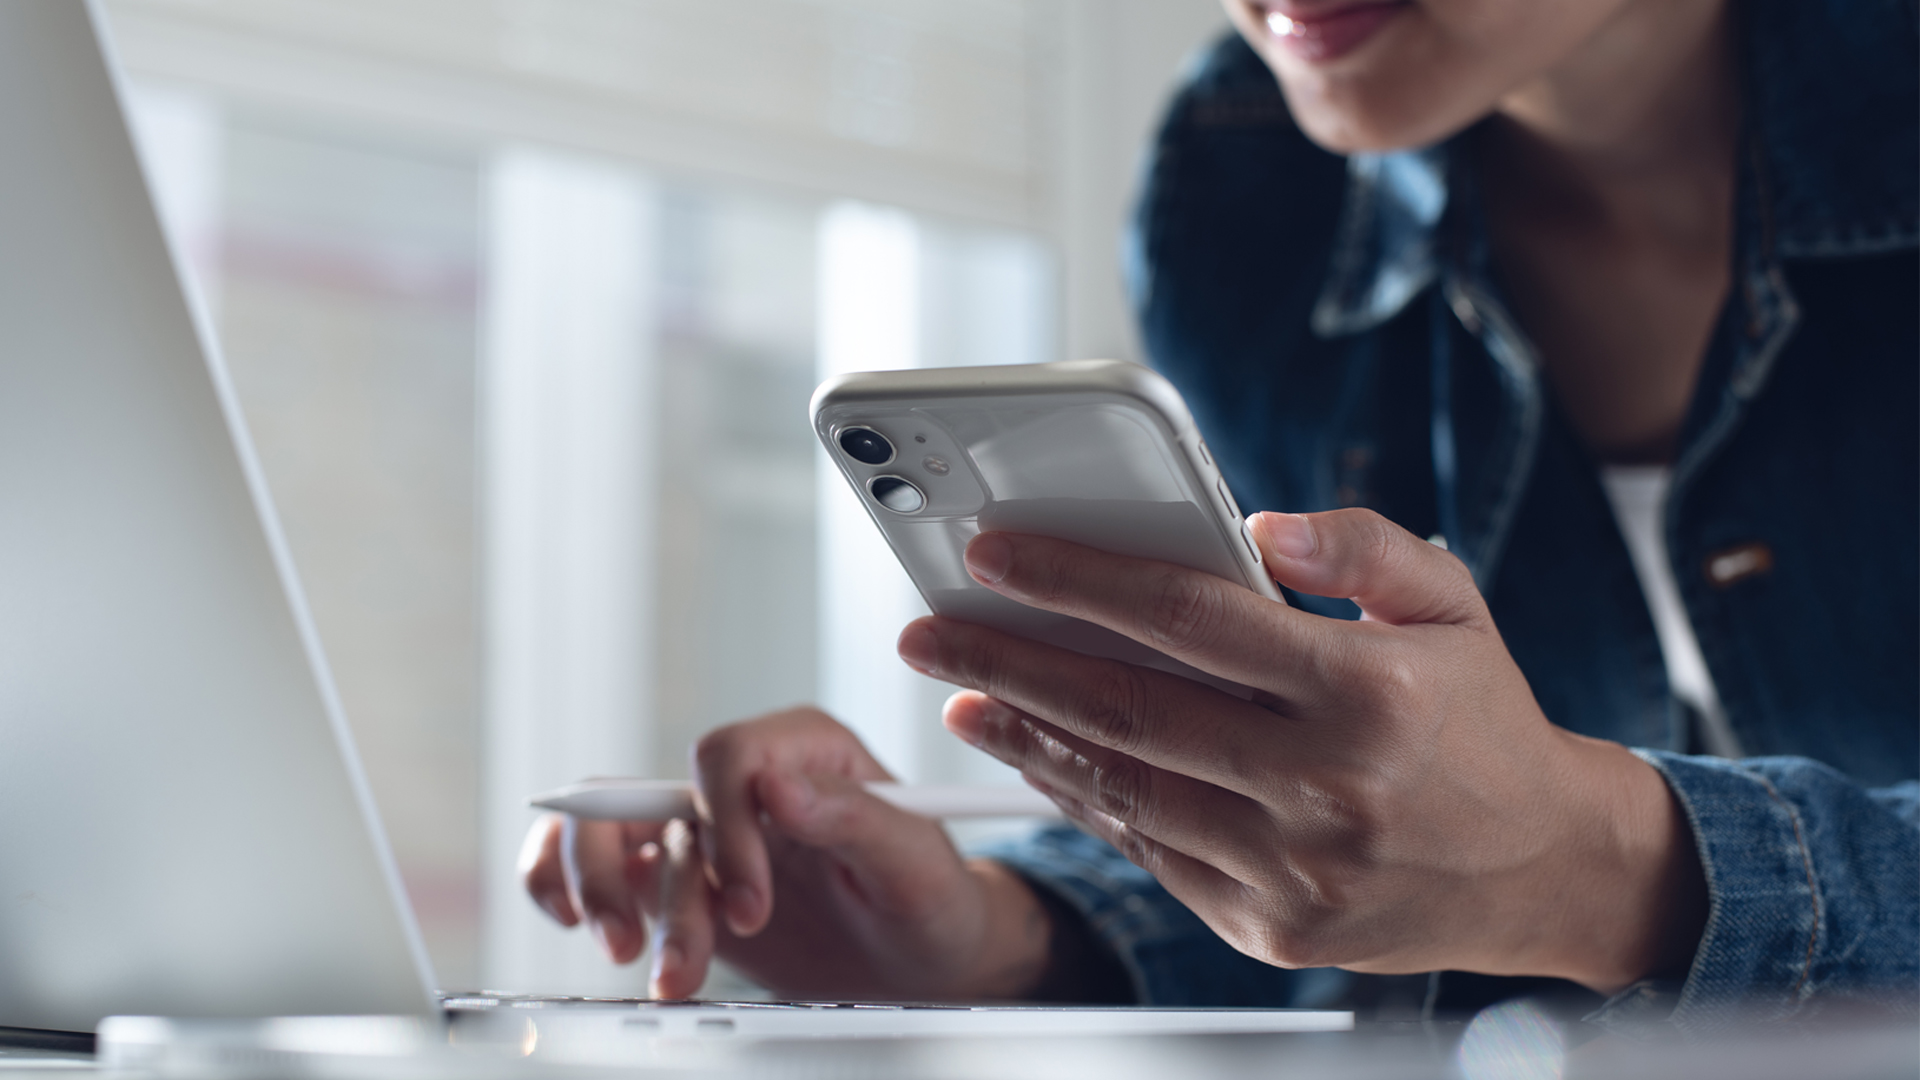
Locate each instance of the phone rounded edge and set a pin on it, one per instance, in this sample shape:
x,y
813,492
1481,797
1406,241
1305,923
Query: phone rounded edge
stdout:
x,y
1122,377
823,396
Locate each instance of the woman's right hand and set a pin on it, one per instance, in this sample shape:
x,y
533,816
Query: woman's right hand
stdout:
x,y
796,875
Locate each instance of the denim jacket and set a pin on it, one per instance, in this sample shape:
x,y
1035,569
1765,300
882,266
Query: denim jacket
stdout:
x,y
1339,330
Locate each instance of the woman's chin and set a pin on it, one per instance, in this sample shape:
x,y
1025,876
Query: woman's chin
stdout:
x,y
1337,122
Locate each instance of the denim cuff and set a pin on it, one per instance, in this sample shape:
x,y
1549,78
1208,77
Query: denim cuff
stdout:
x,y
1764,922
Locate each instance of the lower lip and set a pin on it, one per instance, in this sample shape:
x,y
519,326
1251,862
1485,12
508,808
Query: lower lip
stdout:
x,y
1331,36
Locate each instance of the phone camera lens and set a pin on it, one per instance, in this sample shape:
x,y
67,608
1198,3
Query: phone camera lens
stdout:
x,y
897,495
866,446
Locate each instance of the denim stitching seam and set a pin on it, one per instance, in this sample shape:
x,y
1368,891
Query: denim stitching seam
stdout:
x,y
1813,884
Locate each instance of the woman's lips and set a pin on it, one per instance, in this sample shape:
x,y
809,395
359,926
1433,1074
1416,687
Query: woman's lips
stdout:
x,y
1324,33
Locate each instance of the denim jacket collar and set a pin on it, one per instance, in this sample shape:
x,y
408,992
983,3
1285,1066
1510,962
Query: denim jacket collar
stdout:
x,y
1826,179
1384,250
1822,174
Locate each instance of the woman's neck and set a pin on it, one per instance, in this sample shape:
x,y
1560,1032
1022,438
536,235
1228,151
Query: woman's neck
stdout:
x,y
1638,126
1609,186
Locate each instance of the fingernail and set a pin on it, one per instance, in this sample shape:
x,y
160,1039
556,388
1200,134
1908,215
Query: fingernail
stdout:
x,y
1290,535
989,556
743,906
919,648
613,932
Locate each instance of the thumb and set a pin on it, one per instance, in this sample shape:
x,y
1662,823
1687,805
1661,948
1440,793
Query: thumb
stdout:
x,y
897,856
1393,575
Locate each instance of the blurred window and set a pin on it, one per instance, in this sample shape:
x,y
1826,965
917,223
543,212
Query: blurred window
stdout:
x,y
524,302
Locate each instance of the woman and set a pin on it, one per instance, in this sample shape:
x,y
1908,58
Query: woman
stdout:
x,y
1611,300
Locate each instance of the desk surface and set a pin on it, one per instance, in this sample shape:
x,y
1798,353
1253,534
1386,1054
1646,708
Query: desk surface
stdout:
x,y
1371,1051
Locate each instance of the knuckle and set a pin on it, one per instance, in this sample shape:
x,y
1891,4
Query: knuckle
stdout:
x,y
1183,611
1381,540
1138,850
718,748
1123,788
1292,929
1028,747
1465,592
1114,712
1339,664
1299,914
1396,683
1363,813
1261,939
1352,815
1300,943
1367,544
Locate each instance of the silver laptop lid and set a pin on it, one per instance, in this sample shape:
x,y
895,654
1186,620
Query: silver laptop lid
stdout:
x,y
184,829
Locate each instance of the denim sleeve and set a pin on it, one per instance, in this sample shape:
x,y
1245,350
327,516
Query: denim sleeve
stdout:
x,y
1172,957
1814,893
1813,882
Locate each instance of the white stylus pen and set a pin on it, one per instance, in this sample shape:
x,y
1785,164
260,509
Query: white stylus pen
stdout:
x,y
662,800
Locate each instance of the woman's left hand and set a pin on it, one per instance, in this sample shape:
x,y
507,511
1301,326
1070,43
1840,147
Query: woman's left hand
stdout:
x,y
1392,800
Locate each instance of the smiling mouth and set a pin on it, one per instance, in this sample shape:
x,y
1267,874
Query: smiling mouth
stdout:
x,y
1322,33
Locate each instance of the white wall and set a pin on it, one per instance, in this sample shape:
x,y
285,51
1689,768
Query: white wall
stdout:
x,y
1027,115
566,410
1117,61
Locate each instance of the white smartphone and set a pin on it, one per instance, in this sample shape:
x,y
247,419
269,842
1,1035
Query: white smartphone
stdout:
x,y
1098,452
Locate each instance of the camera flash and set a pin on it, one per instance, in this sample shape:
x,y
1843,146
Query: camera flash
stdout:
x,y
936,465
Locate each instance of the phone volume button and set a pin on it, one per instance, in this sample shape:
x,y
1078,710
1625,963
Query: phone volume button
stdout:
x,y
1226,500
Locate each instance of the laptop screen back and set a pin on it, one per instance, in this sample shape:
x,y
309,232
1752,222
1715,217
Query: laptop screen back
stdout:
x,y
185,829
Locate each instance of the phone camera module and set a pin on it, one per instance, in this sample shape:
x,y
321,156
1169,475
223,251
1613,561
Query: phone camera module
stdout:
x,y
897,494
866,446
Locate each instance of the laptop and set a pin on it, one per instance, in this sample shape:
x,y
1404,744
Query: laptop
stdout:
x,y
188,833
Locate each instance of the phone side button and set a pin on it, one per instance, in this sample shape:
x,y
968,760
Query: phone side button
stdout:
x,y
1246,534
1226,499
1205,455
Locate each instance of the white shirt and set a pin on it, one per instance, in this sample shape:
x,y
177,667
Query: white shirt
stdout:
x,y
1639,494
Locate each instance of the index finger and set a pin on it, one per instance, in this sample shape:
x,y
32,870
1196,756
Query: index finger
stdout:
x,y
1162,719
1208,622
594,856
733,848
727,765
